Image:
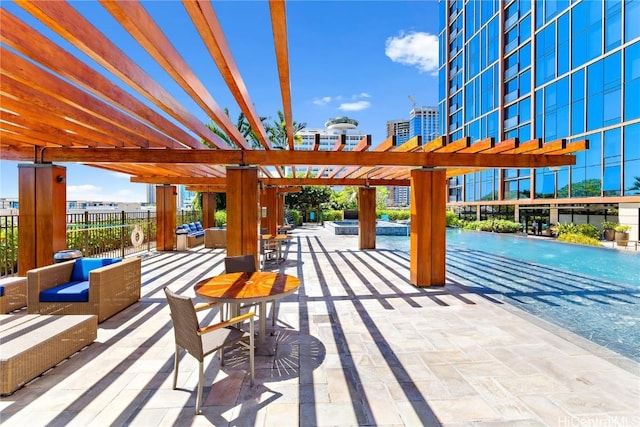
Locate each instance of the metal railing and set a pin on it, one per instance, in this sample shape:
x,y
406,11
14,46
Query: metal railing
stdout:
x,y
95,234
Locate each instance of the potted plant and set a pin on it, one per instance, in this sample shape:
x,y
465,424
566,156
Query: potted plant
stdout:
x,y
622,234
609,230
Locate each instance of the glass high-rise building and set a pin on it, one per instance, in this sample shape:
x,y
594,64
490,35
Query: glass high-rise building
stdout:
x,y
424,122
552,70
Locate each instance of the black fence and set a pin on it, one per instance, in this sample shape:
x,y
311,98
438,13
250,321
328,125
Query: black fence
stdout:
x,y
95,234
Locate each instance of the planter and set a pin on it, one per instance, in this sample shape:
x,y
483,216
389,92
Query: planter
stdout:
x,y
622,238
609,235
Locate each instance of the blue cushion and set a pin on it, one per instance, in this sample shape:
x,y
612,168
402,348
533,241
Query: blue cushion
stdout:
x,y
1,291
68,292
83,266
199,226
192,226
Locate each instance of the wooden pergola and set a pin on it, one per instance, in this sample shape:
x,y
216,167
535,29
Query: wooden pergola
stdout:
x,y
57,108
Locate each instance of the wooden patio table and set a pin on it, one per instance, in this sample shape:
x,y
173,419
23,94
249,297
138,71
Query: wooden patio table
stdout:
x,y
249,288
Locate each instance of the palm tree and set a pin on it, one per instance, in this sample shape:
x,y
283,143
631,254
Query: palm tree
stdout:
x,y
242,124
277,131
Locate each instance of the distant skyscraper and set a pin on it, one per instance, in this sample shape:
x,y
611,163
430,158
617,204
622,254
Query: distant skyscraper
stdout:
x,y
151,193
551,70
399,128
424,122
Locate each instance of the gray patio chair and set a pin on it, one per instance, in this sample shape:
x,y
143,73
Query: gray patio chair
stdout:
x,y
246,264
202,341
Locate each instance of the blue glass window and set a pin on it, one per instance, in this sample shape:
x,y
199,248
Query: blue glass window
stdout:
x,y
525,56
492,34
632,82
611,178
632,159
631,19
613,24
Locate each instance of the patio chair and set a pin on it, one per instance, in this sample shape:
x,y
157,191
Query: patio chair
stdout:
x,y
246,264
202,341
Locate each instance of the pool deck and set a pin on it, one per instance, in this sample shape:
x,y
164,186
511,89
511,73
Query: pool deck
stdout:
x,y
357,345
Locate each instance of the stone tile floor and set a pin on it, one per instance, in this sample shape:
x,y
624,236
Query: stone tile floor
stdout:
x,y
357,345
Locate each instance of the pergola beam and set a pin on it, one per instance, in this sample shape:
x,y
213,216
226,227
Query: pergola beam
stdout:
x,y
273,157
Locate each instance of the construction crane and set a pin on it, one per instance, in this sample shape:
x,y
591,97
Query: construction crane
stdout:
x,y
413,101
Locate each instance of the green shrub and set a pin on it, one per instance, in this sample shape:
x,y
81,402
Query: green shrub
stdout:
x,y
589,230
294,217
622,228
220,218
394,214
609,225
332,215
578,238
452,219
564,228
498,226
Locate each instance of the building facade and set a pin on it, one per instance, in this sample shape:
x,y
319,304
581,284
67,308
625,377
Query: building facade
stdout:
x,y
552,70
424,122
327,139
399,128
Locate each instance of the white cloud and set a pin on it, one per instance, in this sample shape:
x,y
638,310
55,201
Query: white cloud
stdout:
x,y
98,194
414,49
322,101
362,95
354,106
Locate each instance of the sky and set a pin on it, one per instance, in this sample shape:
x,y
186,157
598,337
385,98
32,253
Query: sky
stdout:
x,y
368,60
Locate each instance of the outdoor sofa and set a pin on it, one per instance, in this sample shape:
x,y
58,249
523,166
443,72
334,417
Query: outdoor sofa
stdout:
x,y
100,286
13,293
194,232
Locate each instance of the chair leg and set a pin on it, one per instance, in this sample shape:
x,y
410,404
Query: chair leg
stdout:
x,y
273,313
176,361
251,351
200,381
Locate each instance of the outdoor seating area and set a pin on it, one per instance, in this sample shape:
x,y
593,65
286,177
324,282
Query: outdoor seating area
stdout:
x,y
355,344
85,286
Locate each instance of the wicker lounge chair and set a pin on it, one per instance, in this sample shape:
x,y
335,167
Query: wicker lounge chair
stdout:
x,y
202,341
111,288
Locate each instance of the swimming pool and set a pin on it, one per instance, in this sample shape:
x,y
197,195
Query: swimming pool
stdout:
x,y
593,292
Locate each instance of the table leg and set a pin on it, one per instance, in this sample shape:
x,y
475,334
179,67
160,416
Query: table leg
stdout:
x,y
262,319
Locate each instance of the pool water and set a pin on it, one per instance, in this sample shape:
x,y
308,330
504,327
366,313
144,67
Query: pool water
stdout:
x,y
593,292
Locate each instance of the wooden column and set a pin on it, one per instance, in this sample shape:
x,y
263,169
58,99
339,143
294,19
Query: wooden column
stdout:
x,y
242,211
269,200
428,227
208,210
367,217
166,207
280,208
42,195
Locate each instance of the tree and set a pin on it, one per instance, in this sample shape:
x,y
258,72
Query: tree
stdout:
x,y
309,198
347,198
242,124
277,131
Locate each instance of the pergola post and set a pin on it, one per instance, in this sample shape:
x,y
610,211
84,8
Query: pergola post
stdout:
x,y
280,209
428,227
269,201
42,195
208,210
367,217
166,206
242,210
